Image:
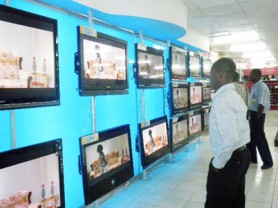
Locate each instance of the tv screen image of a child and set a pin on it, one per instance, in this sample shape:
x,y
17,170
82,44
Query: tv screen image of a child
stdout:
x,y
179,131
150,66
104,156
194,66
155,138
103,61
195,94
206,93
194,124
180,97
207,67
28,61
38,179
178,66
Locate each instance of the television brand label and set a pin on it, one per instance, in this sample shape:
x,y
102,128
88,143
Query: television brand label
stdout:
x,y
89,139
145,124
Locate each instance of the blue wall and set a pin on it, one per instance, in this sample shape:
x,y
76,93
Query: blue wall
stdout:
x,y
73,118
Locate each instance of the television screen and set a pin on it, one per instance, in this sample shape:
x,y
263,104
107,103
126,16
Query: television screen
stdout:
x,y
205,118
206,68
195,125
179,98
178,64
195,95
154,140
150,67
106,161
179,132
28,60
103,64
32,176
206,94
195,66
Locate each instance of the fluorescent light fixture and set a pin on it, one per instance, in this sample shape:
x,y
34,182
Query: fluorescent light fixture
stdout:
x,y
159,47
245,47
236,38
257,54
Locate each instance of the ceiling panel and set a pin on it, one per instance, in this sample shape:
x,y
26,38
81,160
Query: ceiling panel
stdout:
x,y
212,3
223,9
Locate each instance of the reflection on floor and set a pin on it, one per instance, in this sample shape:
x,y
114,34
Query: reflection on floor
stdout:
x,y
181,183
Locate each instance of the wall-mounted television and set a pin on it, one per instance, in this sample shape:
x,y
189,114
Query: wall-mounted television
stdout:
x,y
106,161
101,64
154,140
195,124
177,64
195,95
179,132
32,176
29,74
195,66
206,94
150,67
205,118
206,68
179,98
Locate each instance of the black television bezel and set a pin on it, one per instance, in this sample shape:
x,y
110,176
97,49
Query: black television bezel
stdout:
x,y
25,154
204,110
111,179
203,66
183,142
146,161
196,134
196,105
91,87
200,67
16,98
148,83
175,111
206,101
171,51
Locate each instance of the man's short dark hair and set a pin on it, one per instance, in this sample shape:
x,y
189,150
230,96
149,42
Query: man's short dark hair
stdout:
x,y
257,72
225,65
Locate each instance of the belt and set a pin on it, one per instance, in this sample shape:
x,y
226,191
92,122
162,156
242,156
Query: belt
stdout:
x,y
240,148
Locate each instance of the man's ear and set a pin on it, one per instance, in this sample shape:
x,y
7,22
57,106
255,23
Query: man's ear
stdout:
x,y
221,76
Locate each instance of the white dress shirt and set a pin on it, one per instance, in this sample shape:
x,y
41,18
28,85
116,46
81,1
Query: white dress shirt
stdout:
x,y
228,127
260,95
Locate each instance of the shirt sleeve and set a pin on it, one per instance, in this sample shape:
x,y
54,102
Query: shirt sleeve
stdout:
x,y
263,96
227,127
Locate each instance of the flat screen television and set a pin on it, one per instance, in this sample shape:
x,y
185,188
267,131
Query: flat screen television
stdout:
x,y
154,140
206,94
150,67
101,64
206,68
195,66
179,132
32,176
29,75
205,118
106,161
195,125
179,98
195,95
178,64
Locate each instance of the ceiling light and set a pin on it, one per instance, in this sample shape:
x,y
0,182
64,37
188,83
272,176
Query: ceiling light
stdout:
x,y
244,36
256,46
257,54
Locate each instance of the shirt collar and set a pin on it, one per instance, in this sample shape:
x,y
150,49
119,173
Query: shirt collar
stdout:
x,y
224,88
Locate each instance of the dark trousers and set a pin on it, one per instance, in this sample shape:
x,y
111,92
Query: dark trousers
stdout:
x,y
258,140
225,189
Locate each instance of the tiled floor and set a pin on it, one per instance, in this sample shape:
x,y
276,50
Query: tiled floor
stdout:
x,y
181,183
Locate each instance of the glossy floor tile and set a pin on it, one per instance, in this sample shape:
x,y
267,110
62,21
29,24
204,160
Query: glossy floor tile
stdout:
x,y
180,182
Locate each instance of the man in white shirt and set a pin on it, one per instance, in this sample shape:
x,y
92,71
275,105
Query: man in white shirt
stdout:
x,y
229,133
260,104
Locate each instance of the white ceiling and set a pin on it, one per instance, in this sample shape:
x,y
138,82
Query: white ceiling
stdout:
x,y
216,16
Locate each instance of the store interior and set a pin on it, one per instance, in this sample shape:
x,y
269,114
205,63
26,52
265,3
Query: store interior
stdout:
x,y
142,118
